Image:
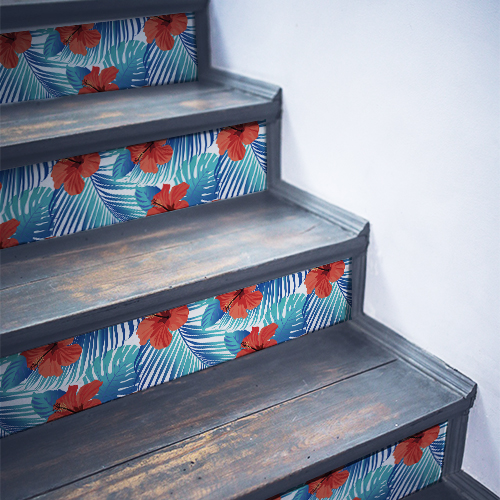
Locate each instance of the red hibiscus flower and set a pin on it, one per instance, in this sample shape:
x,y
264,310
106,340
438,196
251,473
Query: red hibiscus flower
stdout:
x,y
50,358
323,486
79,37
166,201
231,139
70,172
161,29
151,154
71,402
10,43
410,450
238,302
256,341
95,82
158,327
7,229
319,279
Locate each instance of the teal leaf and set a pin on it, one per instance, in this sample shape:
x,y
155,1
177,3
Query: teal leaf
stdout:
x,y
16,416
169,66
123,164
212,314
199,174
207,344
236,178
155,366
16,372
75,75
128,57
116,370
233,340
43,403
287,314
53,45
31,209
144,195
373,486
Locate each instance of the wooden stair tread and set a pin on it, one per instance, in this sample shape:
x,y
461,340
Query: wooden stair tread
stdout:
x,y
105,276
294,411
21,15
46,130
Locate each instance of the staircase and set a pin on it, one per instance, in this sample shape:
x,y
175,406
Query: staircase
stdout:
x,y
138,312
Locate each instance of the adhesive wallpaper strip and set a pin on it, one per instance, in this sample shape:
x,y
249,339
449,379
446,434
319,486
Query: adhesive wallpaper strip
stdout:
x,y
99,189
100,57
62,378
390,474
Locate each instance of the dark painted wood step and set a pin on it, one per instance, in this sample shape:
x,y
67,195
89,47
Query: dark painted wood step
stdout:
x,y
293,411
75,284
24,15
37,131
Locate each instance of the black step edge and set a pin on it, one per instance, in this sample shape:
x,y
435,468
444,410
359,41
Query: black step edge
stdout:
x,y
378,442
25,15
235,106
419,358
353,245
467,488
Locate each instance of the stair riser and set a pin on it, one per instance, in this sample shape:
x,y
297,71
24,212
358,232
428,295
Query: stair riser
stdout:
x,y
139,52
142,353
119,189
391,474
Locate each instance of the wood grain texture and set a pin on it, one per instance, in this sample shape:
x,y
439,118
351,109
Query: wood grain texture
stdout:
x,y
102,277
21,15
45,130
267,452
150,420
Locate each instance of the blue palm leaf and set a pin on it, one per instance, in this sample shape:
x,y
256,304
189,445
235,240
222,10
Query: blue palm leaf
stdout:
x,y
188,39
31,209
53,44
287,314
50,73
155,366
128,57
208,344
112,34
359,469
118,196
321,313
16,416
73,213
438,446
20,84
236,178
169,66
405,479
116,370
17,180
259,147
186,146
199,173
274,290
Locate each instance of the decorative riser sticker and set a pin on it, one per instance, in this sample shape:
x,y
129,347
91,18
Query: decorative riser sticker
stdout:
x,y
99,189
52,381
97,57
390,474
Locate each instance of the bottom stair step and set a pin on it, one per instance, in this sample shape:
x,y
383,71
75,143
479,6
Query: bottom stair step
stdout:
x,y
247,429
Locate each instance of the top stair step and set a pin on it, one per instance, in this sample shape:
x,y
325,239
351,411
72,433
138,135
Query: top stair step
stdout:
x,y
25,15
37,131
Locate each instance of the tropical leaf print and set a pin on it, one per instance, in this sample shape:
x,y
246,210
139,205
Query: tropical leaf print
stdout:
x,y
108,187
139,354
53,67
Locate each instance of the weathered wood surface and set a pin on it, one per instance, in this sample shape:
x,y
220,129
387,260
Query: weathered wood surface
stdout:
x,y
45,130
121,430
20,15
66,286
282,446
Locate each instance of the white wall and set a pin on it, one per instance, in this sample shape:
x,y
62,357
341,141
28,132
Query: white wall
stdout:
x,y
391,110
